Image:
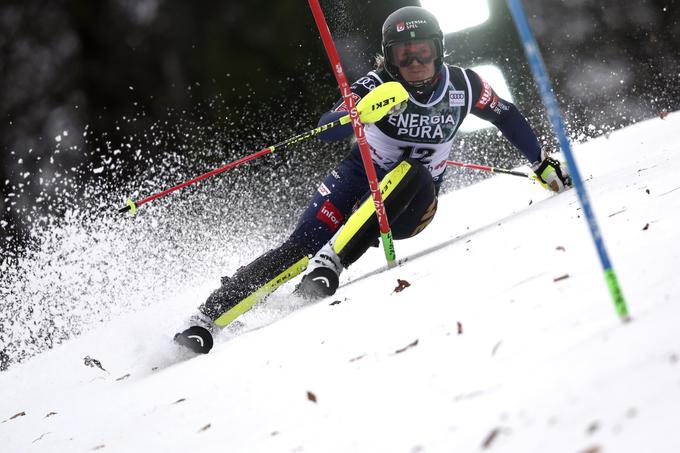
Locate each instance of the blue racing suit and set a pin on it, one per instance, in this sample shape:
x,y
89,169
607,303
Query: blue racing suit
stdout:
x,y
410,148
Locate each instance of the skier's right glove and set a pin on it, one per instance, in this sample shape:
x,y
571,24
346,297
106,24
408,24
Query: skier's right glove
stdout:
x,y
552,175
398,109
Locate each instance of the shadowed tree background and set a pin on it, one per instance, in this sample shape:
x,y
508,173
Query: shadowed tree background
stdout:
x,y
86,82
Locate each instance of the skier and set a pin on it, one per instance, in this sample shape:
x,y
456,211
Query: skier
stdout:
x,y
409,148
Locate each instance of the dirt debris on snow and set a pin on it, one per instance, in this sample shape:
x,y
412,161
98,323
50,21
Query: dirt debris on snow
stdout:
x,y
593,427
593,449
40,437
490,438
20,414
401,285
408,346
311,396
92,362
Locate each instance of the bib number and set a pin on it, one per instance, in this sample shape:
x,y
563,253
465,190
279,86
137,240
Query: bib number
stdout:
x,y
423,155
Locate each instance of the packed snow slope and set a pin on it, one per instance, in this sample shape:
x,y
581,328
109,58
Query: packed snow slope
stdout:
x,y
506,339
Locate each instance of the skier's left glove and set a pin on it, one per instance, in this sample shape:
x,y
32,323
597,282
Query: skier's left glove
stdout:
x,y
552,175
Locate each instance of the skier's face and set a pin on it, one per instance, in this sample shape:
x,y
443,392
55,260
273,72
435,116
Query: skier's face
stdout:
x,y
415,59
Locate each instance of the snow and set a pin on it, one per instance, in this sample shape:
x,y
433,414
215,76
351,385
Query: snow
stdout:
x,y
488,349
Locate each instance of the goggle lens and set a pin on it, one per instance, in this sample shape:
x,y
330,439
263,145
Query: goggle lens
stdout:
x,y
403,54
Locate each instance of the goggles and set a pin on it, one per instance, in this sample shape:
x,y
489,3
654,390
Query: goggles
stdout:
x,y
403,54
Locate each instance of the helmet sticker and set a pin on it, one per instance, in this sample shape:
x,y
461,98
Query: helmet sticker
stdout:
x,y
410,25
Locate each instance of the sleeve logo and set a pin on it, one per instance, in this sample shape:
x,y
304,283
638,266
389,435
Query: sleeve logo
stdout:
x,y
486,96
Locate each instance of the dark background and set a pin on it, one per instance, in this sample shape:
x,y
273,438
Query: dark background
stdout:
x,y
108,90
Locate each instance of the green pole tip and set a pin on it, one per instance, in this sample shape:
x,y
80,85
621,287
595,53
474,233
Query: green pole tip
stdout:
x,y
388,247
617,295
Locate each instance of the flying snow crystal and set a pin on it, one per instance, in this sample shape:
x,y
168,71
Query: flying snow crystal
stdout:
x,y
86,263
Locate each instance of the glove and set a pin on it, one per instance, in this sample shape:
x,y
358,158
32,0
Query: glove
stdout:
x,y
551,174
398,109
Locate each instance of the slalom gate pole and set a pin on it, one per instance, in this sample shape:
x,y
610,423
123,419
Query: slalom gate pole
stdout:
x,y
371,108
540,74
491,169
373,183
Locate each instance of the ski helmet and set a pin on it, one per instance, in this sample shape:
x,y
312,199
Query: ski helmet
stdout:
x,y
410,23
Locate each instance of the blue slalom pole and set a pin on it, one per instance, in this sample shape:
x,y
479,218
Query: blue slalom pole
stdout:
x,y
540,74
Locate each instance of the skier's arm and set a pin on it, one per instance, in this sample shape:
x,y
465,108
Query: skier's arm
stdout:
x,y
505,116
335,133
486,104
359,90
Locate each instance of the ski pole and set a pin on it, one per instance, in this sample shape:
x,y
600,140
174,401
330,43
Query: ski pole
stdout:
x,y
133,205
491,169
373,183
372,107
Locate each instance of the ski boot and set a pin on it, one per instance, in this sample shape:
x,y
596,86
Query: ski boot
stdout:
x,y
322,280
